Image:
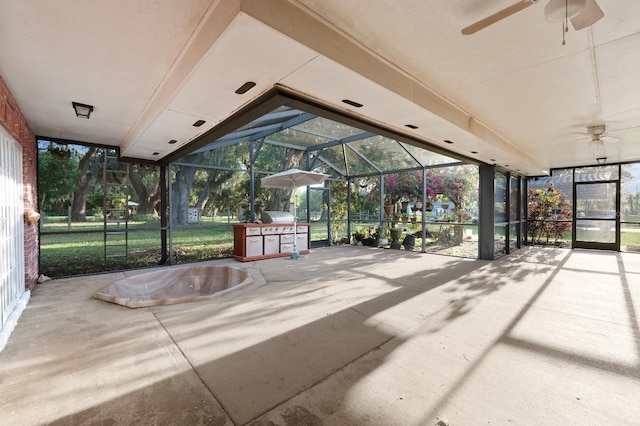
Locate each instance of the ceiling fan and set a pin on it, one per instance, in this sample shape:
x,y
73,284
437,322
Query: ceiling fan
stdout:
x,y
597,138
582,13
598,134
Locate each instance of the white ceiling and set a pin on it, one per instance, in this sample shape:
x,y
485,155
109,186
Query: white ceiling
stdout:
x,y
512,92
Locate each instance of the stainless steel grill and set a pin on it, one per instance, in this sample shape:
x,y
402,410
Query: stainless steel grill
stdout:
x,y
276,217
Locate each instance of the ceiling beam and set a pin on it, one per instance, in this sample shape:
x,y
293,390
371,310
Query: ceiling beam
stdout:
x,y
303,25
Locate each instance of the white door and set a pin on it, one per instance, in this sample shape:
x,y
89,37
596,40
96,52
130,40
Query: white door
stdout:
x,y
11,231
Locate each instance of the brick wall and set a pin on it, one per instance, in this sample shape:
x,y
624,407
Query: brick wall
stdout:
x,y
15,123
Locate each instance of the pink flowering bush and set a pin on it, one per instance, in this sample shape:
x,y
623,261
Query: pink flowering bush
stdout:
x,y
456,185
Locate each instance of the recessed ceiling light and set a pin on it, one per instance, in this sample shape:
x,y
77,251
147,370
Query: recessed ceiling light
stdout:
x,y
352,103
172,141
447,141
199,123
474,152
245,87
492,159
506,165
411,126
156,153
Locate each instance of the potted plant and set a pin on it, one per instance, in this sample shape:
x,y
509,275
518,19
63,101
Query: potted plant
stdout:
x,y
359,235
370,238
391,192
367,236
383,234
395,238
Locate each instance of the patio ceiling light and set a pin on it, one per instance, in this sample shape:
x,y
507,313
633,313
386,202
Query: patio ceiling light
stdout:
x,y
82,110
352,103
245,87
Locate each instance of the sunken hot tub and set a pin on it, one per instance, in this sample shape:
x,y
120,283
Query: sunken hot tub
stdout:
x,y
176,285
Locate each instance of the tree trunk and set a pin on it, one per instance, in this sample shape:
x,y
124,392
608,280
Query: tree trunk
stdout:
x,y
79,206
458,230
214,183
279,198
181,190
180,194
147,197
85,181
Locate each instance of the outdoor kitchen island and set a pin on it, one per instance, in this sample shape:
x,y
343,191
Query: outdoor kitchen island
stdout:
x,y
254,241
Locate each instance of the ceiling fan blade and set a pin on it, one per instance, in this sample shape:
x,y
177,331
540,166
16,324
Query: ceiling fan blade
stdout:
x,y
589,16
498,16
609,139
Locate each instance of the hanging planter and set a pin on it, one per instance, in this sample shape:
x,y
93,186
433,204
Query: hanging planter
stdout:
x,y
429,206
59,152
388,209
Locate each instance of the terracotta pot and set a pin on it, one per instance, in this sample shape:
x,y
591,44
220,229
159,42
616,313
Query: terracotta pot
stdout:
x,y
388,209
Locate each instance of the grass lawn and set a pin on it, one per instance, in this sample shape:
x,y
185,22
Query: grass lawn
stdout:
x,y
65,254
74,254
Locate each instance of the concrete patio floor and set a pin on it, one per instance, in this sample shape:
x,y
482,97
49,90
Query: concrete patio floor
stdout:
x,y
343,336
